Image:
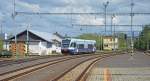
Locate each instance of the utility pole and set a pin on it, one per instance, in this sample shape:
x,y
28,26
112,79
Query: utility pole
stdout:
x,y
132,42
27,41
105,13
113,31
13,16
114,34
101,42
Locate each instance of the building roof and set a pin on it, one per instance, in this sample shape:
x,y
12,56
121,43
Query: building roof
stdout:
x,y
44,35
57,34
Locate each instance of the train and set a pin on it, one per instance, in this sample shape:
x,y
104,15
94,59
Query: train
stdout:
x,y
77,46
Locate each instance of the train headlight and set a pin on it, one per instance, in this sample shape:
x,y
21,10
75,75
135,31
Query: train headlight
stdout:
x,y
77,50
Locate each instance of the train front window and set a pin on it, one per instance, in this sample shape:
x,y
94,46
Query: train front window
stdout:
x,y
65,43
73,44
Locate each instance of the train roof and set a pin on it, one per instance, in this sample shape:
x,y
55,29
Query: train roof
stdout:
x,y
74,39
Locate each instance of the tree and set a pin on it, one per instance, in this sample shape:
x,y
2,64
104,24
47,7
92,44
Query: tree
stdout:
x,y
122,41
1,44
96,37
143,42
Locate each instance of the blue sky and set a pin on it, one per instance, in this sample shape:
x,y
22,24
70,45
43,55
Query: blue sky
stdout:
x,y
63,24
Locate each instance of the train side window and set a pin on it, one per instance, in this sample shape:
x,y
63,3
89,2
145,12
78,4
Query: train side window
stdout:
x,y
90,46
81,46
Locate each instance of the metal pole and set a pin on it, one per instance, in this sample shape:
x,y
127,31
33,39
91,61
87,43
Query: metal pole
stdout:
x,y
113,32
101,42
105,19
13,16
111,28
105,13
114,38
132,42
28,39
139,42
111,25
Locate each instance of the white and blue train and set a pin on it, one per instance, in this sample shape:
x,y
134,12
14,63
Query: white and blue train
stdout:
x,y
78,46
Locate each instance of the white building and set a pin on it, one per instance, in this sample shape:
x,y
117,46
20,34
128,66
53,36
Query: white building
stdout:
x,y
110,43
40,43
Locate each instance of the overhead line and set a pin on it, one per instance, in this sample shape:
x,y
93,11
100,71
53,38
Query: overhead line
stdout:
x,y
106,25
80,13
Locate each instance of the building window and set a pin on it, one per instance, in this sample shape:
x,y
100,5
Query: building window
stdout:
x,y
110,39
49,45
106,45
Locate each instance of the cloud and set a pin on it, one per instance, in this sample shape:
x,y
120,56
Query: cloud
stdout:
x,y
29,6
89,20
1,16
49,22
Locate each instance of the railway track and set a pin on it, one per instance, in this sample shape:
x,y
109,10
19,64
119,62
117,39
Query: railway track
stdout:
x,y
10,62
82,75
18,72
15,74
27,64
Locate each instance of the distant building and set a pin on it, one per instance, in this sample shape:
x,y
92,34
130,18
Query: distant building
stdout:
x,y
40,43
109,43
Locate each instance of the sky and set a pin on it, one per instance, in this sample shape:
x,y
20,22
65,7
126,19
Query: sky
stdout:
x,y
65,24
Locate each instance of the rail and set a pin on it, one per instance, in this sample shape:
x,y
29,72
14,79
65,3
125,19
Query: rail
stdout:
x,y
10,62
84,74
19,72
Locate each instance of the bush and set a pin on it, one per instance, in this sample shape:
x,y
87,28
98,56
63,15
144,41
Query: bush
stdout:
x,y
5,53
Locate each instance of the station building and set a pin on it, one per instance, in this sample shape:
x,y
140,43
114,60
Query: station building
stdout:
x,y
39,43
110,43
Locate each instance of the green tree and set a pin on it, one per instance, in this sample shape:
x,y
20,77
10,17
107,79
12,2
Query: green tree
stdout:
x,y
122,41
96,37
143,42
1,44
